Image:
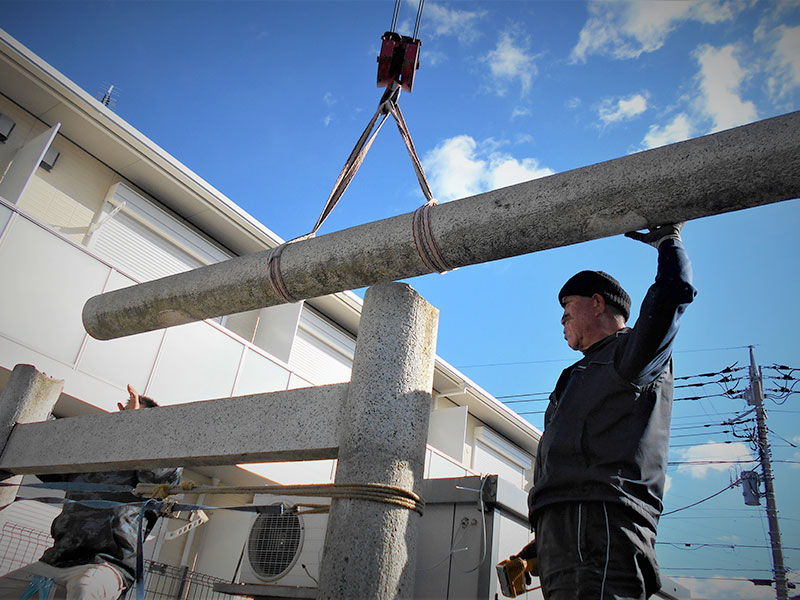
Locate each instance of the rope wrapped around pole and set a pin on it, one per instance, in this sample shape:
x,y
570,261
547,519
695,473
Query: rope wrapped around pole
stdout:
x,y
374,492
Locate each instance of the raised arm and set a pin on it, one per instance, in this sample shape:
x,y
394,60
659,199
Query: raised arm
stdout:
x,y
649,349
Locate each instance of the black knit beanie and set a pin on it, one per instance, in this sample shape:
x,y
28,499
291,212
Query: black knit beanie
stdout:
x,y
588,283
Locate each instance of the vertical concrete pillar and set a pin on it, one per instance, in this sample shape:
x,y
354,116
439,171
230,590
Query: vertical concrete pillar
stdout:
x,y
28,397
370,547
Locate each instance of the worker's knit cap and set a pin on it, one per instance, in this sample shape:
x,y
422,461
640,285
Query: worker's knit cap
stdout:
x,y
589,283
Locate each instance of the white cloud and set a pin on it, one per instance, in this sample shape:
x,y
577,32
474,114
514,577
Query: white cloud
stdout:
x,y
510,60
712,456
667,484
431,58
677,130
505,170
788,48
724,588
573,103
445,21
523,138
460,167
627,29
621,109
329,100
520,112
785,63
720,78
730,539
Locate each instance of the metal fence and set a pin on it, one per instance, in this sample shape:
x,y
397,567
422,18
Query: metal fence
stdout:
x,y
166,582
20,546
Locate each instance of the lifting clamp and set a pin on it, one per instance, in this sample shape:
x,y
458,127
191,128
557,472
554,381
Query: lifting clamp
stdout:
x,y
399,57
398,60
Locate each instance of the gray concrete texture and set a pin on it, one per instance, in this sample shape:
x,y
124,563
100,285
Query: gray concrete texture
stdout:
x,y
370,547
28,397
301,424
739,168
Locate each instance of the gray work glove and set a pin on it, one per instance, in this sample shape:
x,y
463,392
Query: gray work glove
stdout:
x,y
656,235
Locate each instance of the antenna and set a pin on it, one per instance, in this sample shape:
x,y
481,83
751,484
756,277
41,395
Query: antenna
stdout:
x,y
108,96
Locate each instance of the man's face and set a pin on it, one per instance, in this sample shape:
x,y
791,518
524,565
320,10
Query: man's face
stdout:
x,y
578,320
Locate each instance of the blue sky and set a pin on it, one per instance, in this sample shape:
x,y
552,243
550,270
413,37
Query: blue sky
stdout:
x,y
265,99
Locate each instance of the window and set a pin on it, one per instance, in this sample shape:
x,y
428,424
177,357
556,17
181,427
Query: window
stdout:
x,y
322,353
495,454
144,241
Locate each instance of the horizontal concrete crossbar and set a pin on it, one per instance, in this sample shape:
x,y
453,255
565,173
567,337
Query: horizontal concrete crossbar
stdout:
x,y
739,168
301,424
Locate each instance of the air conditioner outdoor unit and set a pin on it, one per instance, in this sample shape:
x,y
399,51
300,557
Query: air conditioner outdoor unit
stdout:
x,y
282,546
460,540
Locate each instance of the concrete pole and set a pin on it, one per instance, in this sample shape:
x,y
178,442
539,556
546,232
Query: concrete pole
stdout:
x,y
28,397
747,166
370,547
764,455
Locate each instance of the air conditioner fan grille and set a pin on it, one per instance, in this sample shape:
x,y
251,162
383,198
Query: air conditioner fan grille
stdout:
x,y
274,544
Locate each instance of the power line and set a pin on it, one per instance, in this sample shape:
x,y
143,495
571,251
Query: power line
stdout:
x,y
672,512
521,362
556,360
730,369
704,383
692,445
719,545
689,398
713,569
725,379
702,433
718,578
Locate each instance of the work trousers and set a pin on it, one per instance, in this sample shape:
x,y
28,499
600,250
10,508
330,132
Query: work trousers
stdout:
x,y
84,582
595,551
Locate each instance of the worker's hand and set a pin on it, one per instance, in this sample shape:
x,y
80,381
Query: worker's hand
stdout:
x,y
133,400
656,235
529,555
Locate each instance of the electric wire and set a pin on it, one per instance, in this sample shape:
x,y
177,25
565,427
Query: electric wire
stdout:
x,y
724,546
725,489
484,479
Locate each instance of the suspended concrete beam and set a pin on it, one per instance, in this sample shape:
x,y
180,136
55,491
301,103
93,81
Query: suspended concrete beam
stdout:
x,y
739,168
301,424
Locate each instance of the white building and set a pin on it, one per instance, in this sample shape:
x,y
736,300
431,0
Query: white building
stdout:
x,y
89,204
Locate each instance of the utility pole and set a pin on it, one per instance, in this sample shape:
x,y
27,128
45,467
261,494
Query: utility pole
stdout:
x,y
757,399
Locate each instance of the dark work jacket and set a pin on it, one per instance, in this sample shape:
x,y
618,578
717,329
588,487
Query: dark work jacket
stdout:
x,y
89,535
607,425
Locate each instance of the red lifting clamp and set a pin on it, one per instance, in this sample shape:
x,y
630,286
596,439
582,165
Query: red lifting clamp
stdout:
x,y
399,60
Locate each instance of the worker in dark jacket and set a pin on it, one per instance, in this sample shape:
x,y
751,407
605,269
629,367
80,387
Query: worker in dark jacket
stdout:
x,y
93,556
601,463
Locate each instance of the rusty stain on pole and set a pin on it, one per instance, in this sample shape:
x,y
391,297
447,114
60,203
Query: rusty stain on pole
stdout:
x,y
739,168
